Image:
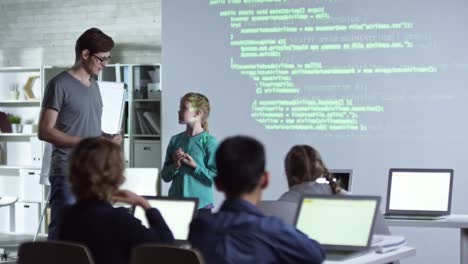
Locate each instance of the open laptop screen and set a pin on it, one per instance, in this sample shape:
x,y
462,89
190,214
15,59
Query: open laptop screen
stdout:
x,y
178,213
419,191
342,177
341,222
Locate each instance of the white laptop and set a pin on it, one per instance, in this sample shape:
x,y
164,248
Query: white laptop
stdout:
x,y
419,193
342,224
177,212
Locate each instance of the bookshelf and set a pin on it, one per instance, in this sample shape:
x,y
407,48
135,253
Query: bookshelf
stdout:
x,y
142,139
31,102
14,101
20,149
21,152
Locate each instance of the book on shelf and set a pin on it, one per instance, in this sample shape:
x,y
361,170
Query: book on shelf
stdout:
x,y
5,126
153,120
145,128
138,124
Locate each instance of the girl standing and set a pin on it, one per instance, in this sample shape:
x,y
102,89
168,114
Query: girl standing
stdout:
x,y
189,162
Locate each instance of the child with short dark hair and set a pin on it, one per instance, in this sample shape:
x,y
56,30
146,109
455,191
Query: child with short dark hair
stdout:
x,y
239,232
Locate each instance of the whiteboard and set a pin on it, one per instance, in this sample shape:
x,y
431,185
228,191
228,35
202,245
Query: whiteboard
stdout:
x,y
113,100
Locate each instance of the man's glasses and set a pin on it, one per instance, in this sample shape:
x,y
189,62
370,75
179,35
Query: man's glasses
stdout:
x,y
102,60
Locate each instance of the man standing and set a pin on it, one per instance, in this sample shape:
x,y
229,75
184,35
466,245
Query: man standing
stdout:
x,y
72,110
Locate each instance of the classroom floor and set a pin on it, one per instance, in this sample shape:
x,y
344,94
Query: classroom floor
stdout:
x,y
9,244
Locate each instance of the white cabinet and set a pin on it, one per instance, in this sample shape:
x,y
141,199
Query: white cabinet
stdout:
x,y
147,154
26,217
30,189
7,218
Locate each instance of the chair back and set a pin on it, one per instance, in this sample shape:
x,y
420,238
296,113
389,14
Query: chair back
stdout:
x,y
142,181
148,253
54,252
281,209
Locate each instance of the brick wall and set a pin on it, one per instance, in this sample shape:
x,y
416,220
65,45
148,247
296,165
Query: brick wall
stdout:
x,y
43,32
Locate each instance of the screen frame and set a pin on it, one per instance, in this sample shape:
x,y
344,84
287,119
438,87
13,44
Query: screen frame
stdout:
x,y
389,211
343,197
341,171
165,198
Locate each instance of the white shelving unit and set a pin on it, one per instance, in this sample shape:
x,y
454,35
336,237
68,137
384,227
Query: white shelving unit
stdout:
x,y
142,143
21,153
31,102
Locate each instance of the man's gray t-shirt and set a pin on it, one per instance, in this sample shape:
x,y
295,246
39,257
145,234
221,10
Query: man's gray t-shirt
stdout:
x,y
79,114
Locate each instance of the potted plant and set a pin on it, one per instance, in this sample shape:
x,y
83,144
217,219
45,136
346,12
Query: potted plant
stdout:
x,y
15,122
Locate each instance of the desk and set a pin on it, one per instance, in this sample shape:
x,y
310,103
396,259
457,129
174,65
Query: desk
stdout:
x,y
7,200
378,258
451,221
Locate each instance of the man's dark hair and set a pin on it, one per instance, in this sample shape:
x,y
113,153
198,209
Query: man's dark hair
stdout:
x,y
240,162
93,40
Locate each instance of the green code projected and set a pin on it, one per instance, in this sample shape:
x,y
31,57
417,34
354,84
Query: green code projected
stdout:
x,y
285,47
312,114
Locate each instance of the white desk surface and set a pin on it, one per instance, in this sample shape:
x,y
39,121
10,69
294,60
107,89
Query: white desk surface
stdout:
x,y
7,200
378,258
450,221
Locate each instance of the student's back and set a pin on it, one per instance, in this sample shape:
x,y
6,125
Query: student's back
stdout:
x,y
95,174
110,233
295,193
304,165
239,232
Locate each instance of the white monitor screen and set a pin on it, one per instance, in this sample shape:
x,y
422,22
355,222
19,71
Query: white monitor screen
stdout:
x,y
420,190
177,213
322,219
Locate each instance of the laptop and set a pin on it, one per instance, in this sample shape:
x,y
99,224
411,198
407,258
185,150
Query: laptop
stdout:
x,y
177,212
342,177
342,224
424,194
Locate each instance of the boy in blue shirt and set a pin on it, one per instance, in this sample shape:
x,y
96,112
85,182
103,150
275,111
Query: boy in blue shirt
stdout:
x,y
239,232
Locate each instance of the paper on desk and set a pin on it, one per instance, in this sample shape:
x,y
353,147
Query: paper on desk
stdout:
x,y
386,243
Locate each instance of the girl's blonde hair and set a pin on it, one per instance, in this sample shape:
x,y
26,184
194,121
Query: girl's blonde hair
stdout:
x,y
304,164
95,169
201,103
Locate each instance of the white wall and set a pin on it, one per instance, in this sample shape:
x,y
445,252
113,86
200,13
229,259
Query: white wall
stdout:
x,y
43,32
